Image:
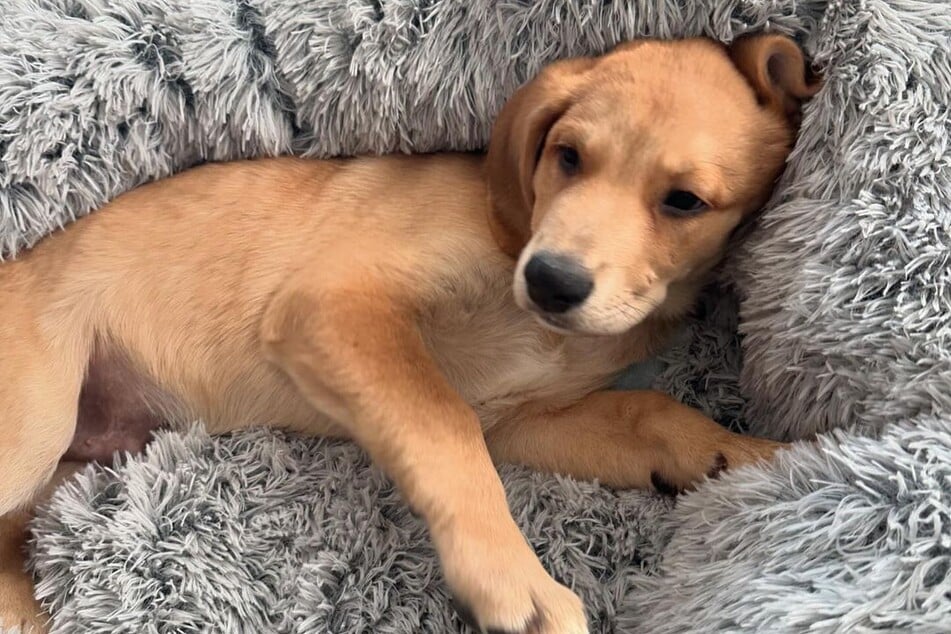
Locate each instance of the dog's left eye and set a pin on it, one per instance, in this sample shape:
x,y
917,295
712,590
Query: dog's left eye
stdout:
x,y
682,203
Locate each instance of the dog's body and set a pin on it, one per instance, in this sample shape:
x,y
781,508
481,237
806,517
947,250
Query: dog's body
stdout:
x,y
190,318
372,298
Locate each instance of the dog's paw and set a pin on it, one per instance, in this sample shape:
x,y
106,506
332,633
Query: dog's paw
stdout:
x,y
549,608
19,611
511,593
689,468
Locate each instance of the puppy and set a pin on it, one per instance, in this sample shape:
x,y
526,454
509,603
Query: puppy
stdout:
x,y
373,299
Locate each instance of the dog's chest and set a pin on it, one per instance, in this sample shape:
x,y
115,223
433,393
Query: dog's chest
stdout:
x,y
498,357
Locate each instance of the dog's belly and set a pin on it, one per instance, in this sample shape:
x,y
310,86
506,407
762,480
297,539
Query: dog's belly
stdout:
x,y
119,408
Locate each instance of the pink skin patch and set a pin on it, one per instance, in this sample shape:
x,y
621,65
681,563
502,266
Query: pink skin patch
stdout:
x,y
114,413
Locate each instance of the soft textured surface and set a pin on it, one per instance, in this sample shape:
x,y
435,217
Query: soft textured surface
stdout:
x,y
97,96
847,282
854,537
260,532
844,289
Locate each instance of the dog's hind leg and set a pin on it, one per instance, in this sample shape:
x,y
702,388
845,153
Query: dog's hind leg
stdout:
x,y
40,382
18,607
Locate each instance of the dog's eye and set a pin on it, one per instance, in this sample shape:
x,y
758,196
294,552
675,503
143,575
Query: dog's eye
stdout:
x,y
568,160
682,203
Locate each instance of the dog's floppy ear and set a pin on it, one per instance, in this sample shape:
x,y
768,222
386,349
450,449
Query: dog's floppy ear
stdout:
x,y
514,149
775,67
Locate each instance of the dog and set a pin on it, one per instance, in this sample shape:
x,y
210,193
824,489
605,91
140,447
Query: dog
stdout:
x,y
373,298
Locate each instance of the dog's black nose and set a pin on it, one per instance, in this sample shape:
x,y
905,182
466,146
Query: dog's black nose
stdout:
x,y
557,283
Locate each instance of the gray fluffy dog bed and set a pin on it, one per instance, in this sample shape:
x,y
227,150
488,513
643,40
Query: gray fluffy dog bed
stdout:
x,y
839,303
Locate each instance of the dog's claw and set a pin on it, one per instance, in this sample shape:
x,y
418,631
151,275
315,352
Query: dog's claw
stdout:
x,y
467,616
662,486
720,464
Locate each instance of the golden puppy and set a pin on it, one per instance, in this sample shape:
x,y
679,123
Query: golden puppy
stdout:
x,y
373,298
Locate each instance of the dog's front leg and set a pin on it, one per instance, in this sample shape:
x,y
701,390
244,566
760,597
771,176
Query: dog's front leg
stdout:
x,y
357,355
637,439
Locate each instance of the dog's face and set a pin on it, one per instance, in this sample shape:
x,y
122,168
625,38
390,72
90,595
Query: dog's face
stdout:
x,y
617,181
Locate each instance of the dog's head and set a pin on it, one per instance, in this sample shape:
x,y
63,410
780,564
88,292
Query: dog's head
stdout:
x,y
617,181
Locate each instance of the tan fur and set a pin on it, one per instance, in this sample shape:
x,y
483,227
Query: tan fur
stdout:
x,y
372,298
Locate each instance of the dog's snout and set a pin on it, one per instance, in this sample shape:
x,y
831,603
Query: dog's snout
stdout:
x,y
556,283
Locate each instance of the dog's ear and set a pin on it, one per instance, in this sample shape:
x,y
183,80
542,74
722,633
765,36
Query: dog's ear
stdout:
x,y
514,149
776,68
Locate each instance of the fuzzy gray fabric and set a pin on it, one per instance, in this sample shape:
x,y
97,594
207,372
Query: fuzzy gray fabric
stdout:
x,y
847,282
262,532
852,537
844,295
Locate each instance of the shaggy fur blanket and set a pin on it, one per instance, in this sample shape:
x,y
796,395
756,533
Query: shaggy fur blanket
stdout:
x,y
839,304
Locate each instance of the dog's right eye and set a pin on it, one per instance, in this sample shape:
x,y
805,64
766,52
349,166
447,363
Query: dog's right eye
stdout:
x,y
682,203
568,160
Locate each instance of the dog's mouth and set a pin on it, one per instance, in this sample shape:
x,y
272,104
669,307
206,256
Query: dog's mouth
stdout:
x,y
595,320
558,323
